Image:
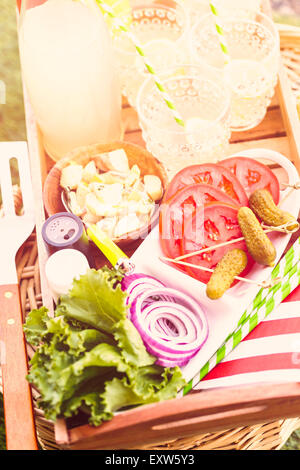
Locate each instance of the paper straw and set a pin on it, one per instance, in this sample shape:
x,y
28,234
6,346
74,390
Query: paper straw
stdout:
x,y
159,85
281,269
289,283
260,308
220,31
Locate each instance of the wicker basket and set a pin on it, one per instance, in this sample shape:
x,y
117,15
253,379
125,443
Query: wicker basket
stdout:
x,y
267,436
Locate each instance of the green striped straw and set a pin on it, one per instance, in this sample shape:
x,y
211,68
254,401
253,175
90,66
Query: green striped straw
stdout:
x,y
220,31
281,269
122,26
260,308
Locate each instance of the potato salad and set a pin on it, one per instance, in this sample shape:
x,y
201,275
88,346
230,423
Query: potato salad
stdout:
x,y
110,194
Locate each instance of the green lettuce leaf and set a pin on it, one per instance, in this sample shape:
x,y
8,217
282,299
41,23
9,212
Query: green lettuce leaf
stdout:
x,y
36,326
156,380
95,299
131,344
90,357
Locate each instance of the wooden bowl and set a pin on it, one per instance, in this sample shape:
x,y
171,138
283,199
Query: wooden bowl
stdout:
x,y
82,155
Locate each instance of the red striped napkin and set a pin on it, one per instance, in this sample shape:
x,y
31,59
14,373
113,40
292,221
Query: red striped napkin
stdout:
x,y
270,353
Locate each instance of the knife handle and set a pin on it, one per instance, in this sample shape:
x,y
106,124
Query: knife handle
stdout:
x,y
18,407
105,244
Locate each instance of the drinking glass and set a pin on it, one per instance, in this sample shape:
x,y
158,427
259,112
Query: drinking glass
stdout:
x,y
67,65
204,104
252,70
161,28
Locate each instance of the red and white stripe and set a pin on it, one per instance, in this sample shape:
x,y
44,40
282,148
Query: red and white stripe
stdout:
x,y
270,353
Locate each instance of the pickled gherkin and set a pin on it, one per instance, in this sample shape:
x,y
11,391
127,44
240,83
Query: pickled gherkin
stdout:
x,y
259,245
263,206
230,266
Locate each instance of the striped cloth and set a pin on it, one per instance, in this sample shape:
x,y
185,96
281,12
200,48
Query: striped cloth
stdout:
x,y
270,353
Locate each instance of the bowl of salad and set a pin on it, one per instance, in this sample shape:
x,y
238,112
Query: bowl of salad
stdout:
x,y
116,186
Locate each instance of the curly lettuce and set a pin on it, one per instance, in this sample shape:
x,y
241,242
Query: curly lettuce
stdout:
x,y
90,357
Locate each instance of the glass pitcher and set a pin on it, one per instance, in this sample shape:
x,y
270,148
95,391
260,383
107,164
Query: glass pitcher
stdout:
x,y
69,72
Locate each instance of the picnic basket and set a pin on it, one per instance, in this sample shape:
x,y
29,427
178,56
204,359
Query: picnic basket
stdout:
x,y
252,418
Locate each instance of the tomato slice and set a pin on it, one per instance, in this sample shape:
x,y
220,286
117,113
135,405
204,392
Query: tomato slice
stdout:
x,y
212,174
253,175
214,224
175,212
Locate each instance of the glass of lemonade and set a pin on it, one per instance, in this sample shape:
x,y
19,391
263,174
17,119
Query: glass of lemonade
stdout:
x,y
161,28
198,8
252,71
68,68
204,104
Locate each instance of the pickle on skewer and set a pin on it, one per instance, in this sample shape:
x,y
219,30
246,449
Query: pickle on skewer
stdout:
x,y
259,245
230,266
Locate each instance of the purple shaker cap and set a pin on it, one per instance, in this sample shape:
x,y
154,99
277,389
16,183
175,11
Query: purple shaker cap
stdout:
x,y
62,230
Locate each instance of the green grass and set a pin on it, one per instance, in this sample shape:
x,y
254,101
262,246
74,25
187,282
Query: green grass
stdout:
x,y
292,20
294,442
12,125
2,432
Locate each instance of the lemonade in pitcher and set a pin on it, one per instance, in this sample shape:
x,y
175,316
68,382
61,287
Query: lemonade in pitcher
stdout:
x,y
69,72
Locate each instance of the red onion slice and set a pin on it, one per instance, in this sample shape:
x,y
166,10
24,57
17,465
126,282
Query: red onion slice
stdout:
x,y
133,280
137,284
172,331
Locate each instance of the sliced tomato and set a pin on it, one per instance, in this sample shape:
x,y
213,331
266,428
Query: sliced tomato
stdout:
x,y
208,173
253,175
214,224
175,211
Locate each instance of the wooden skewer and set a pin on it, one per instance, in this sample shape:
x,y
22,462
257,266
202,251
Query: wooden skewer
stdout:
x,y
210,248
280,228
264,284
292,188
